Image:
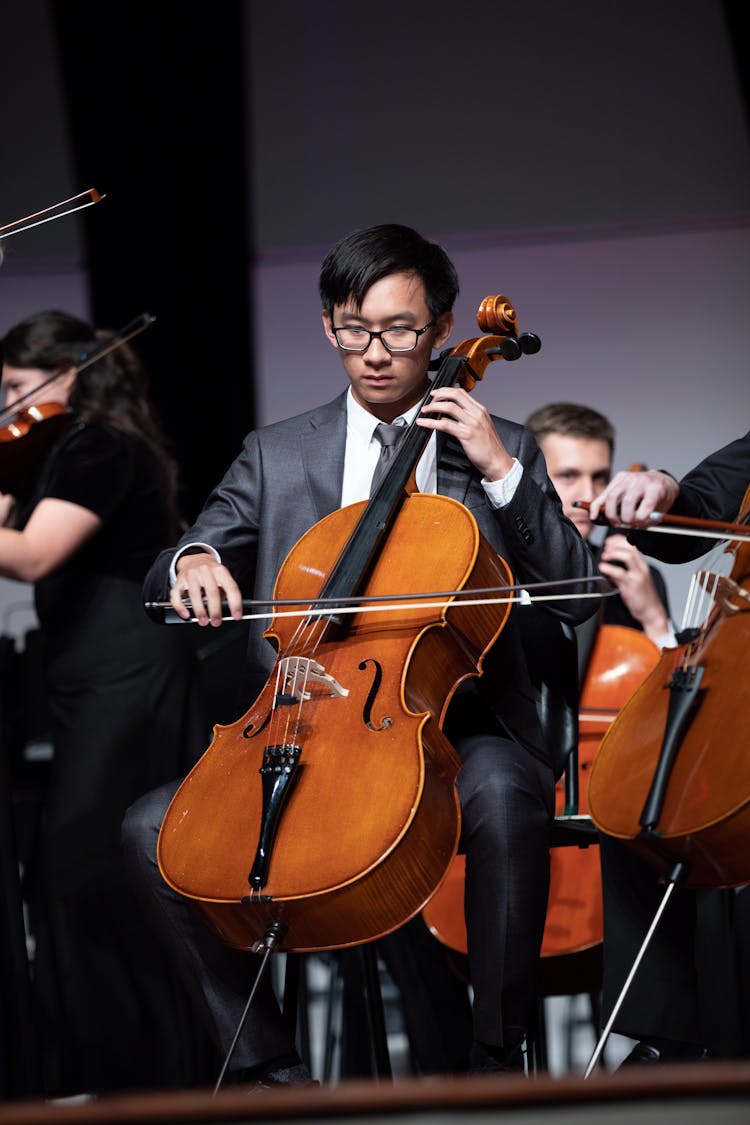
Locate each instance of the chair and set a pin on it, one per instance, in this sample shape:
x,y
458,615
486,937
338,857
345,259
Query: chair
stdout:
x,y
571,965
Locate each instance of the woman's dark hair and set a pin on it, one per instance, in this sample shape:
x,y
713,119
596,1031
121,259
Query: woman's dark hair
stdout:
x,y
112,390
365,256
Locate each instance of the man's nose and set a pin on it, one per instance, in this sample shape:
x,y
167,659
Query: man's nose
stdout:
x,y
377,352
587,489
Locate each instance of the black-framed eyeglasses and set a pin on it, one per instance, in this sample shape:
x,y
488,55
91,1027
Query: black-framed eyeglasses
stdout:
x,y
397,339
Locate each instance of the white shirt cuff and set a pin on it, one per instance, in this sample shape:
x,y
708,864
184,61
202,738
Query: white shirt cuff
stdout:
x,y
668,640
501,492
189,548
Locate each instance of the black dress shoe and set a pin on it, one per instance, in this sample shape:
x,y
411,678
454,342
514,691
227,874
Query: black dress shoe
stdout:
x,y
287,1070
259,1084
654,1051
488,1059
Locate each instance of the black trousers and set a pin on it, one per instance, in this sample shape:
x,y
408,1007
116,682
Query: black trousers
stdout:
x,y
693,984
507,802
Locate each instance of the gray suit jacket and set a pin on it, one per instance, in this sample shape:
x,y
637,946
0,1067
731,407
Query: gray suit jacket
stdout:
x,y
288,476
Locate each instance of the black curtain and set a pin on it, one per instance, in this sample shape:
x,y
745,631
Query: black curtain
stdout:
x,y
20,1074
738,29
155,101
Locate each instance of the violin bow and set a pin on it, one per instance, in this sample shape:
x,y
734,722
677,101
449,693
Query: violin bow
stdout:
x,y
679,525
48,214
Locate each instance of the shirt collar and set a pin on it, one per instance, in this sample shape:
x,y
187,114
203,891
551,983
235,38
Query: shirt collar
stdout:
x,y
363,423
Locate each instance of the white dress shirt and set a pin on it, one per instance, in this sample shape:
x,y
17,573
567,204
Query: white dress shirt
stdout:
x,y
360,458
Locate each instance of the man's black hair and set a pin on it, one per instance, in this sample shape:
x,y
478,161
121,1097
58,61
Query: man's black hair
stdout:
x,y
365,256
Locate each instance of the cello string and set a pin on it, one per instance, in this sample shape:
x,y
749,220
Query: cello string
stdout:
x,y
301,690
289,670
687,613
274,724
709,596
698,586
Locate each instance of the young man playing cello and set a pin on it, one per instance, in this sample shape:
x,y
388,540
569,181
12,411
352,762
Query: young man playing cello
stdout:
x,y
387,298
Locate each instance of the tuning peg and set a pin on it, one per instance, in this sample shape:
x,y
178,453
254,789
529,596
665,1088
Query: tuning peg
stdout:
x,y
529,343
510,348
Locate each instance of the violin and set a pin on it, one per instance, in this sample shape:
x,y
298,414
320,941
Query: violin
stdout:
x,y
26,440
672,776
328,813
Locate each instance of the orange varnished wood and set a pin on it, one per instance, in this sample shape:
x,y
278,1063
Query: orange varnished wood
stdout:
x,y
620,661
363,795
26,440
705,818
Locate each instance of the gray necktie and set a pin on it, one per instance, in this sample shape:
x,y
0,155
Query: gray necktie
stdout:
x,y
389,437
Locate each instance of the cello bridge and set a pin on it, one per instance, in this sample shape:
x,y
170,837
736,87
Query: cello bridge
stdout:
x,y
298,673
730,596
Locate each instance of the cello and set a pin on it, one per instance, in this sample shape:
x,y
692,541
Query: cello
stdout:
x,y
350,719
672,775
678,749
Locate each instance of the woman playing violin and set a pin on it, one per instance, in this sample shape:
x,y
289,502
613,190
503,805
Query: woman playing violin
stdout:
x,y
689,997
97,507
387,297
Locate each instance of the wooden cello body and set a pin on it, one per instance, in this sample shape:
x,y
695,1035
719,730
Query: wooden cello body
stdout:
x,y
621,659
375,776
328,813
672,776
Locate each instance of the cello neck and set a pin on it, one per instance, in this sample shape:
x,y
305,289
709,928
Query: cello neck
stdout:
x,y
376,520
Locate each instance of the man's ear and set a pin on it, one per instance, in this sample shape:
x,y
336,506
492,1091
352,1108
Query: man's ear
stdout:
x,y
443,329
328,328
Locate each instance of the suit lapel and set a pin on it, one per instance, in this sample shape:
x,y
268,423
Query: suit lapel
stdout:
x,y
323,448
452,478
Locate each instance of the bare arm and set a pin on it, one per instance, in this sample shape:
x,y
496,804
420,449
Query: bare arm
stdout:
x,y
626,567
54,533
